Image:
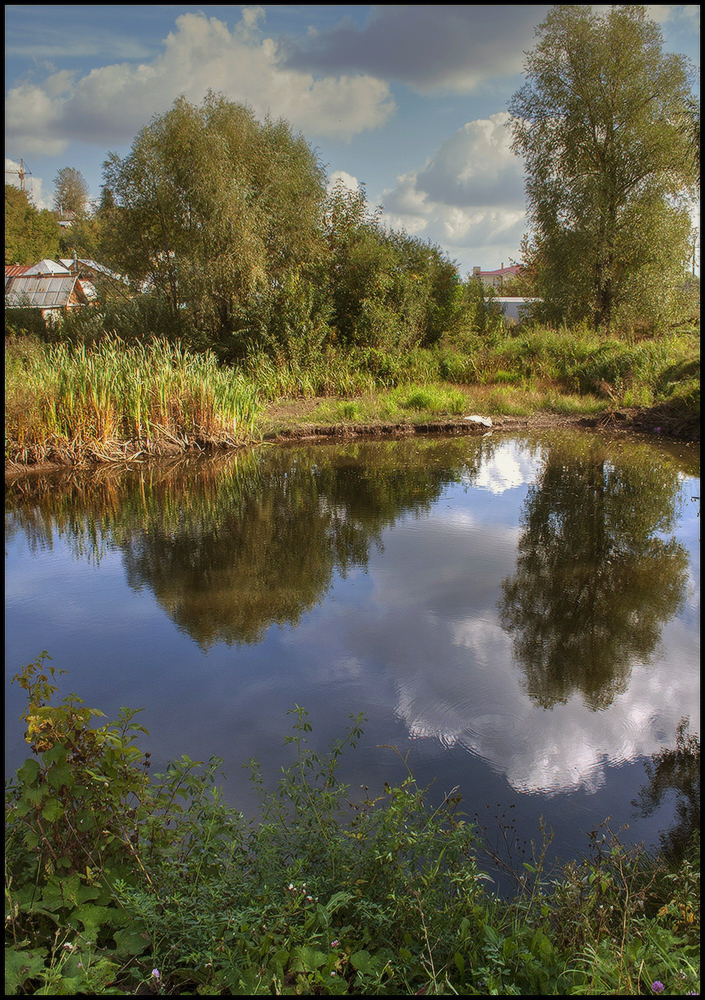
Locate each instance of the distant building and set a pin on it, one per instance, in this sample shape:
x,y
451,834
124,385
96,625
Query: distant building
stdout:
x,y
495,279
514,307
66,219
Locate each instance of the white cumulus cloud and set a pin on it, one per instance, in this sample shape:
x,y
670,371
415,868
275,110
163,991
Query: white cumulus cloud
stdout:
x,y
109,104
469,195
344,178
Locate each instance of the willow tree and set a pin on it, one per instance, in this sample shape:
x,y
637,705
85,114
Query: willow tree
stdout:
x,y
212,211
609,165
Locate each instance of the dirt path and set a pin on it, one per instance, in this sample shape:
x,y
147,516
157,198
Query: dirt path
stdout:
x,y
287,421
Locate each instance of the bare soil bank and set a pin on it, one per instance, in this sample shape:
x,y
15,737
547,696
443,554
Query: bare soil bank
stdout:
x,y
287,421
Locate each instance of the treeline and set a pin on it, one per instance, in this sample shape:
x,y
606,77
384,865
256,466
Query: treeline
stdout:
x,y
229,239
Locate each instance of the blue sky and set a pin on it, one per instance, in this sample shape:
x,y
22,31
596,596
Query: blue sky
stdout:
x,y
409,100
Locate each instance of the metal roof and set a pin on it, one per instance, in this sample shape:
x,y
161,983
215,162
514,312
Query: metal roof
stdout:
x,y
13,270
47,267
39,292
91,265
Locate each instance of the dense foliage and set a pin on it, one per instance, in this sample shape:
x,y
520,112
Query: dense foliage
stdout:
x,y
214,212
606,122
31,235
118,884
229,221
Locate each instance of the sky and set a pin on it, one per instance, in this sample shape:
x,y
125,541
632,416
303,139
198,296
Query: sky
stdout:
x,y
410,101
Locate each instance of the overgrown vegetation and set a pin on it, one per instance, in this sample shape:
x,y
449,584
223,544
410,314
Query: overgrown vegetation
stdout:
x,y
118,884
65,402
72,401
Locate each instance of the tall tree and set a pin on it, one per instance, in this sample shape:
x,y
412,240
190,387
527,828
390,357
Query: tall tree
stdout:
x,y
214,210
609,164
71,192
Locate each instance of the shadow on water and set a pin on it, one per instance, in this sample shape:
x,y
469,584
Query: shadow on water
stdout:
x,y
675,771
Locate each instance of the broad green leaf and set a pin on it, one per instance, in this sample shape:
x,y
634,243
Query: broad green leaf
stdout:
x,y
131,941
52,810
29,771
21,966
59,775
93,918
305,959
57,755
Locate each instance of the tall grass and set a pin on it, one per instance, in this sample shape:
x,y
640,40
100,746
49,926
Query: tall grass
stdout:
x,y
579,361
62,399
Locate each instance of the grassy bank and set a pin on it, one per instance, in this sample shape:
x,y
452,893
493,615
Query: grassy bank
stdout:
x,y
73,403
117,883
508,372
65,403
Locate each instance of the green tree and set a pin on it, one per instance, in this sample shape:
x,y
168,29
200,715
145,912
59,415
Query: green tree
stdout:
x,y
214,211
388,290
609,165
30,235
71,192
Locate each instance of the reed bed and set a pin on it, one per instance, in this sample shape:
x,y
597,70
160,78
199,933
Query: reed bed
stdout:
x,y
68,402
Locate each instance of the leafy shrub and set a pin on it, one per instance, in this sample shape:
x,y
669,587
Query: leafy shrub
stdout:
x,y
118,884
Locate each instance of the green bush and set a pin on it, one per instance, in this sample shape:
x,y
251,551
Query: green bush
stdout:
x,y
116,883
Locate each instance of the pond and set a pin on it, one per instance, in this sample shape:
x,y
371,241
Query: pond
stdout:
x,y
517,616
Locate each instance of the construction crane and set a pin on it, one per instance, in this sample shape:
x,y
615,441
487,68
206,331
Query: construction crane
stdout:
x,y
22,172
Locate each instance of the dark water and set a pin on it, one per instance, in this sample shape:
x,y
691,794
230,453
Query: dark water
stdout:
x,y
519,615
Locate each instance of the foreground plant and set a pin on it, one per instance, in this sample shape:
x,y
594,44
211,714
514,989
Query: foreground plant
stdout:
x,y
116,883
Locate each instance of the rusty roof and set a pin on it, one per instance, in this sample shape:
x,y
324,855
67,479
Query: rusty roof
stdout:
x,y
13,270
500,271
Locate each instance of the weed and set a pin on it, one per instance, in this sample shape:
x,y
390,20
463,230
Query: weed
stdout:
x,y
118,883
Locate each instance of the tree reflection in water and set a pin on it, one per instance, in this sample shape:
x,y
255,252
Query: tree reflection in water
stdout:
x,y
232,547
675,769
596,579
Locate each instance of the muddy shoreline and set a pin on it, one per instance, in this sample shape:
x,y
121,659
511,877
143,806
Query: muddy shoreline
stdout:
x,y
621,422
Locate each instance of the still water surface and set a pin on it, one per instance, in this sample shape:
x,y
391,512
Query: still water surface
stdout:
x,y
518,614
